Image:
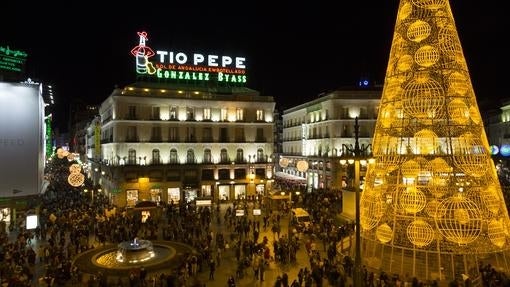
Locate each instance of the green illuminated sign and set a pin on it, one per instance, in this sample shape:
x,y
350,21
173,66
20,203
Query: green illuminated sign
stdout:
x,y
12,60
49,146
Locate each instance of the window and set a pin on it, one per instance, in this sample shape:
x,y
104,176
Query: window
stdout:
x,y
240,155
224,156
224,114
131,156
239,114
190,134
190,156
155,156
224,135
173,156
260,155
207,114
156,134
131,112
207,135
173,134
260,135
131,133
260,115
223,174
239,135
207,156
190,114
155,113
173,113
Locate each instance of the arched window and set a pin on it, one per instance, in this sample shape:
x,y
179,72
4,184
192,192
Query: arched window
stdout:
x,y
190,156
173,156
207,156
131,156
155,156
223,155
260,155
240,155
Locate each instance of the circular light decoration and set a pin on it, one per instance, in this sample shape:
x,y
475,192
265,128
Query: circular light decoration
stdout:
x,y
76,179
462,222
504,150
496,232
459,83
494,149
371,210
405,63
302,165
458,111
405,11
384,233
420,233
426,56
471,155
70,156
75,168
490,198
418,31
284,162
412,200
60,153
423,98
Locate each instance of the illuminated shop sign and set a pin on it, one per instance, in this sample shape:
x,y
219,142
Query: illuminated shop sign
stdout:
x,y
174,65
12,60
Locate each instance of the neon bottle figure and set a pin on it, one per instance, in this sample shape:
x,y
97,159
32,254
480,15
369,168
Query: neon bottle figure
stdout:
x,y
142,53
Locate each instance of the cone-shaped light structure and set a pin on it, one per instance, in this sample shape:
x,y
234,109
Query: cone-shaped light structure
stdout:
x,y
432,205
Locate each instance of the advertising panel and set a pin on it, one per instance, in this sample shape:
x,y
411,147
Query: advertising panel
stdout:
x,y
21,139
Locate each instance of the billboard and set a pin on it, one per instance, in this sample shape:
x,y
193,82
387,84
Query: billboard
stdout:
x,y
21,139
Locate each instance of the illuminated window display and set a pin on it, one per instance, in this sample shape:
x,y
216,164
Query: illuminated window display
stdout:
x,y
174,195
432,205
131,197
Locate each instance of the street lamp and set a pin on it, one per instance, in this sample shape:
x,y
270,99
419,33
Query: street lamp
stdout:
x,y
356,155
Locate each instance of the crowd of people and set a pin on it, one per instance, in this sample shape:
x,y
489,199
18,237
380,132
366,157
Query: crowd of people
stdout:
x,y
69,225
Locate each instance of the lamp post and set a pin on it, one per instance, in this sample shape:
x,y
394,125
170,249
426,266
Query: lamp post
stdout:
x,y
356,155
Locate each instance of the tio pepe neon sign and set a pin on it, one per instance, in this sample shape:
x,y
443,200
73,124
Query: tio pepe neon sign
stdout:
x,y
181,66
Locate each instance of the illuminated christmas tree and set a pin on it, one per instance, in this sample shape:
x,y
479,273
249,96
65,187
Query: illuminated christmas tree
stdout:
x,y
432,205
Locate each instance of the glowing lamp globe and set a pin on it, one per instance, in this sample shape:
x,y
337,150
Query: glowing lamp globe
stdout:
x,y
76,179
284,162
420,233
384,233
505,150
75,168
60,153
462,222
302,166
496,232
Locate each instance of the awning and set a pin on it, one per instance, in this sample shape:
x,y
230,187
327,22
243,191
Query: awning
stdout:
x,y
290,177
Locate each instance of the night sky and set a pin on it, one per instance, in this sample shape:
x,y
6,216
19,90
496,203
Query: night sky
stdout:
x,y
293,50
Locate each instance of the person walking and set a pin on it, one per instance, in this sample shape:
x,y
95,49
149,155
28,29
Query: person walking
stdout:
x,y
231,282
212,268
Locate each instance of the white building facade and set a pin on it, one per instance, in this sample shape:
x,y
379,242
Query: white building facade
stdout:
x,y
168,143
318,131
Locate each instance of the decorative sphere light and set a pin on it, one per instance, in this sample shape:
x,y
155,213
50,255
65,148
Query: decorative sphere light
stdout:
x,y
302,165
494,149
504,150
